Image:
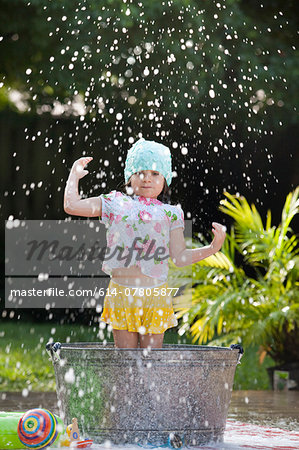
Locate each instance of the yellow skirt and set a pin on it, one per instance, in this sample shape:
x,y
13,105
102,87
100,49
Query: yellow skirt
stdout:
x,y
142,309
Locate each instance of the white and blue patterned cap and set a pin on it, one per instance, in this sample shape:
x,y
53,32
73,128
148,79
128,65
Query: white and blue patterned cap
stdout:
x,y
148,155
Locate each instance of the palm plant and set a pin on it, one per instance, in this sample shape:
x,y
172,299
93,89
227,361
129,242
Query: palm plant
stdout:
x,y
226,305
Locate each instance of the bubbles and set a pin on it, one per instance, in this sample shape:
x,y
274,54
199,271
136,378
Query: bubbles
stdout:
x,y
12,223
69,376
81,393
132,99
43,276
141,330
190,65
131,60
129,190
137,50
25,392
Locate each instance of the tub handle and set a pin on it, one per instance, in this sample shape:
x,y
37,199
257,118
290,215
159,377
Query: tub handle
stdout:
x,y
52,348
175,441
241,351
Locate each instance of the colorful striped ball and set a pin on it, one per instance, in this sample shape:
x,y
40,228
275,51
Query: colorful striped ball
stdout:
x,y
38,428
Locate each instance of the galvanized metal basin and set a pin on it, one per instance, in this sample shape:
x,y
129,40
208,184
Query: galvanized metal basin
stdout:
x,y
177,395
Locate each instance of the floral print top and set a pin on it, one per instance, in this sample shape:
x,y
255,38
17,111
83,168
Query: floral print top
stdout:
x,y
138,230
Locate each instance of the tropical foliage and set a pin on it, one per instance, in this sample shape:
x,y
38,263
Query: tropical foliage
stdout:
x,y
255,302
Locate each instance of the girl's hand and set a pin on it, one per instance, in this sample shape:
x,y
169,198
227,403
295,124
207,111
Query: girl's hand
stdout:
x,y
78,166
219,232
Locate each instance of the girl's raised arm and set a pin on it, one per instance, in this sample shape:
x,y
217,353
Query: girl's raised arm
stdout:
x,y
182,256
73,204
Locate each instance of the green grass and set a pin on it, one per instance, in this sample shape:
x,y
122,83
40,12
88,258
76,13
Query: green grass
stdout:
x,y
25,364
24,361
250,374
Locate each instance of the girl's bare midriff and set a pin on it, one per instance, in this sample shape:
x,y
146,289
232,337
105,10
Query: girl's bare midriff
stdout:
x,y
132,276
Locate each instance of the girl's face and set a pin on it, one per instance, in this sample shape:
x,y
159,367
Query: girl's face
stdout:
x,y
147,183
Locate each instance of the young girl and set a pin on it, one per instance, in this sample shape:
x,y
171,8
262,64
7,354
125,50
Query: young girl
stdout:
x,y
144,232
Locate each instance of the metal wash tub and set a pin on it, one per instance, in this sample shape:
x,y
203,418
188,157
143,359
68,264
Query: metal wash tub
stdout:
x,y
177,395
